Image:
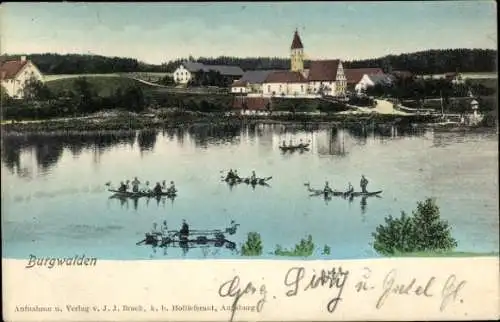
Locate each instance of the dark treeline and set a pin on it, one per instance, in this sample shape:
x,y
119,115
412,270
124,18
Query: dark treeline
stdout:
x,y
423,62
86,64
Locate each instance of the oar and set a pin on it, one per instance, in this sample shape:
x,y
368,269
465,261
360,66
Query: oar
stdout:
x,y
142,241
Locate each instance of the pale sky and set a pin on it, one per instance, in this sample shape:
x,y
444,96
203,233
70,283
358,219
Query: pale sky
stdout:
x,y
158,32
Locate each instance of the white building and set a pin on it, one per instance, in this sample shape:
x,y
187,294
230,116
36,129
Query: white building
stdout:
x,y
16,73
323,78
251,82
187,70
372,80
285,83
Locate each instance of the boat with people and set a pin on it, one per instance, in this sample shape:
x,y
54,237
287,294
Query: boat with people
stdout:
x,y
232,178
158,191
294,147
349,193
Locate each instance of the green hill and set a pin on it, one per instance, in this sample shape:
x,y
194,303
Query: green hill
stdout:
x,y
105,86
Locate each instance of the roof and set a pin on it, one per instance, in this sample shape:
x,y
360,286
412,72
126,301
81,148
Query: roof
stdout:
x,y
222,69
12,68
253,77
380,78
252,103
193,66
285,76
323,70
354,75
296,42
225,70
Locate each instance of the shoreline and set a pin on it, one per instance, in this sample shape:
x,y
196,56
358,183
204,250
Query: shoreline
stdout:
x,y
134,122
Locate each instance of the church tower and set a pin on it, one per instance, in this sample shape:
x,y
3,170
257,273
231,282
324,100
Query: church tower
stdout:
x,y
297,54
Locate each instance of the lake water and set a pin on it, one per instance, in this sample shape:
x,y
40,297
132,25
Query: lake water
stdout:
x,y
55,202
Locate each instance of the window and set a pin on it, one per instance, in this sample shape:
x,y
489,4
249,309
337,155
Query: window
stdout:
x,y
269,88
302,88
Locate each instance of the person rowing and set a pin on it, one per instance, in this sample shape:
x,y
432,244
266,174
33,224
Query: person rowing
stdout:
x,y
184,232
284,143
135,185
327,188
230,175
172,189
253,177
236,176
157,189
363,183
123,187
301,144
350,188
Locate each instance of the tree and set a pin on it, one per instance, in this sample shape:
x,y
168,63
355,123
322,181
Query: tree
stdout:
x,y
134,99
84,95
4,96
424,231
253,245
34,89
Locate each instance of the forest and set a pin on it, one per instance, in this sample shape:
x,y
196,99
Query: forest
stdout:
x,y
422,62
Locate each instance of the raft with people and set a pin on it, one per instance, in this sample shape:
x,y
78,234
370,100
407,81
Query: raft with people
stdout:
x,y
165,236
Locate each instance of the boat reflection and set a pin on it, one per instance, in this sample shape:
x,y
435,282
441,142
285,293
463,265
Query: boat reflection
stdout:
x,y
159,200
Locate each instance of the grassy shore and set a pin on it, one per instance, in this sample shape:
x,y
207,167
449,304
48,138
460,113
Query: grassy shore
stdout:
x,y
104,85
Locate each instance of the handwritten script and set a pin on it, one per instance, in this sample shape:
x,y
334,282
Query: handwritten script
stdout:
x,y
335,278
298,280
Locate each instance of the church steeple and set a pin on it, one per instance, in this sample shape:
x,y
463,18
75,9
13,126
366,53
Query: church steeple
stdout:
x,y
296,43
297,53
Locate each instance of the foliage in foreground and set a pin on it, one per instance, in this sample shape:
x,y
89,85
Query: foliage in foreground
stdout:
x,y
423,231
253,245
303,249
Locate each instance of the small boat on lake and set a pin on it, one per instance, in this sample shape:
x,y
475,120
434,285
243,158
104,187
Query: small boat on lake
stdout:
x,y
253,182
329,193
301,147
365,194
141,194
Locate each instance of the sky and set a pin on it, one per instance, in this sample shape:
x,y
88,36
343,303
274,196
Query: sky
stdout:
x,y
158,32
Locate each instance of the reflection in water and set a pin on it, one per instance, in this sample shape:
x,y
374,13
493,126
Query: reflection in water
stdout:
x,y
157,200
48,149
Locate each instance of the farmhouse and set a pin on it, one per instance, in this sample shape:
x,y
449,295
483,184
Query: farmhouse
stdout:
x,y
16,73
187,71
251,81
372,80
354,75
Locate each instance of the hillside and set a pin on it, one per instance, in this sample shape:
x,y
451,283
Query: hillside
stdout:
x,y
104,86
422,62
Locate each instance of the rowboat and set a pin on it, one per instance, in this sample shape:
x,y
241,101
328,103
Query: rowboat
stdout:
x,y
140,194
257,181
365,194
318,192
295,147
200,241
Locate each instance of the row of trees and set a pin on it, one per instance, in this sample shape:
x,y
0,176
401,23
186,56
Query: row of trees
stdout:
x,y
411,88
423,62
210,78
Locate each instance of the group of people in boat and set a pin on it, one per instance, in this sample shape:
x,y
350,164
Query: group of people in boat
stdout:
x,y
158,188
350,189
233,175
301,144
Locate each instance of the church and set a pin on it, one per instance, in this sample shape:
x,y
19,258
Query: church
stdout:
x,y
323,78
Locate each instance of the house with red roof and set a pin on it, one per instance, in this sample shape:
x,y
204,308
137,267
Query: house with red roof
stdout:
x,y
354,75
16,73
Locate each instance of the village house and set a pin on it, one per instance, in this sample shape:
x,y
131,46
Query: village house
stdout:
x,y
354,76
372,80
16,73
251,82
187,71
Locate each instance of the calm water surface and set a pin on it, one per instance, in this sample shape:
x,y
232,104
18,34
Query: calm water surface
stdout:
x,y
55,202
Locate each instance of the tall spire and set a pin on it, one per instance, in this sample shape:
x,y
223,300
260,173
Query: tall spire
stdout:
x,y
297,43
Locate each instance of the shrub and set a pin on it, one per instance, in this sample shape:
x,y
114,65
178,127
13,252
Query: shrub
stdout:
x,y
424,231
253,245
326,250
303,249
